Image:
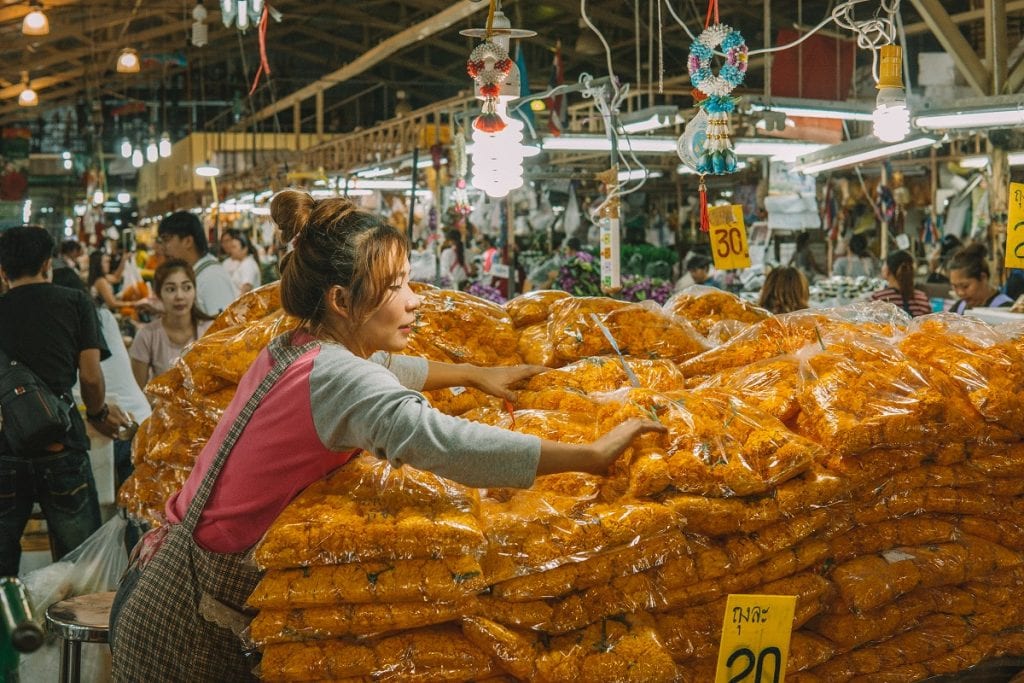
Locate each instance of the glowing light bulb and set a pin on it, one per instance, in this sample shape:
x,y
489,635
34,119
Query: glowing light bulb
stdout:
x,y
126,149
891,118
137,158
498,157
152,152
165,145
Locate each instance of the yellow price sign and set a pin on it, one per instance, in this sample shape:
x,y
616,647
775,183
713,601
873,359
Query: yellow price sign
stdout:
x,y
728,237
755,639
1015,227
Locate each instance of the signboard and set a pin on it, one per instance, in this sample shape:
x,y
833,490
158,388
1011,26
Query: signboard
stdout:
x,y
728,237
755,639
1015,227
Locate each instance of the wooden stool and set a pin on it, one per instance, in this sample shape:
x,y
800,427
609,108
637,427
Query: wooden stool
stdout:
x,y
85,619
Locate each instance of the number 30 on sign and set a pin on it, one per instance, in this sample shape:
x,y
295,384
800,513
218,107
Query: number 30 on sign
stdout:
x,y
728,237
755,639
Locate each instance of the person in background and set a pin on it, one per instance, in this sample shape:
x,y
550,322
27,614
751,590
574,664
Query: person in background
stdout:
x,y
423,263
784,290
347,279
858,262
1014,286
453,260
699,267
241,262
938,259
803,258
52,330
898,271
65,267
183,237
489,255
101,281
969,275
160,343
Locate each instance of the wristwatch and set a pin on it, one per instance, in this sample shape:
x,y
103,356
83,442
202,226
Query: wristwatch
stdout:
x,y
100,416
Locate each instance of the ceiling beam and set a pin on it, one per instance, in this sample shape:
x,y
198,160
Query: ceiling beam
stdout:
x,y
11,43
964,17
399,41
995,45
955,44
18,12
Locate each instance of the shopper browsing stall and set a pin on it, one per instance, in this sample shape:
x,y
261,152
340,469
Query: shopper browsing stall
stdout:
x,y
160,343
785,290
898,271
308,403
971,281
183,237
241,262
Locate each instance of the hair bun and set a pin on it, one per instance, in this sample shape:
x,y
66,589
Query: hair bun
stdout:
x,y
290,210
976,250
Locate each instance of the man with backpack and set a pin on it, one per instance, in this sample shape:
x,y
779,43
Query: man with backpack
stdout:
x,y
51,331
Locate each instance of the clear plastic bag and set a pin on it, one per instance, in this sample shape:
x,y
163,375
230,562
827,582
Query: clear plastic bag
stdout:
x,y
706,306
467,328
716,445
987,366
787,333
605,373
860,392
249,307
368,510
426,654
220,359
533,307
769,385
642,330
449,579
534,345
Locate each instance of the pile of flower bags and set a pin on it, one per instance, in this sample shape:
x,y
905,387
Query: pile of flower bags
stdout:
x,y
870,465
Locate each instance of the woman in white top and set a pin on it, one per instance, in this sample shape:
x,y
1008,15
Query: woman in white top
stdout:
x,y
160,343
241,262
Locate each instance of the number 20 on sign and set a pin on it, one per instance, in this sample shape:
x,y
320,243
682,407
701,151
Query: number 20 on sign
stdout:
x,y
728,237
755,639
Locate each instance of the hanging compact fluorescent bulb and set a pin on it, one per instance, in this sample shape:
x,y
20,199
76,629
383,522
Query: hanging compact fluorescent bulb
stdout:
x,y
152,151
165,145
498,157
137,158
35,22
200,31
891,118
126,148
128,61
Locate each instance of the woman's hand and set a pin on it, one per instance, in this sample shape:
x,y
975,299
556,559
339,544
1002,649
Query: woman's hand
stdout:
x,y
595,457
498,381
1018,305
609,447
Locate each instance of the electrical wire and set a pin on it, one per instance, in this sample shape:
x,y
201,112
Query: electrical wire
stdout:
x,y
871,33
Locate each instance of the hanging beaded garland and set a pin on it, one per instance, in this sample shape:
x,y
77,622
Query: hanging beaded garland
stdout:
x,y
489,66
717,157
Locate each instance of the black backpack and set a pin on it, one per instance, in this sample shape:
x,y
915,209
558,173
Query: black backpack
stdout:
x,y
31,416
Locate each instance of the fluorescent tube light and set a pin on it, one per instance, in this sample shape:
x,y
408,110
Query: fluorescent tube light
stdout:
x,y
850,110
779,149
650,118
638,174
858,151
983,160
600,143
990,112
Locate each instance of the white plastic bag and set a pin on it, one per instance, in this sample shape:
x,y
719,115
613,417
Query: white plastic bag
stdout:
x,y
93,567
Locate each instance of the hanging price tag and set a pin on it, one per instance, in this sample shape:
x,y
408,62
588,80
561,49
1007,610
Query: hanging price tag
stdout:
x,y
1015,227
728,237
755,639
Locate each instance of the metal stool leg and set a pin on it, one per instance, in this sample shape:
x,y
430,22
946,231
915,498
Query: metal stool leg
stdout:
x,y
70,661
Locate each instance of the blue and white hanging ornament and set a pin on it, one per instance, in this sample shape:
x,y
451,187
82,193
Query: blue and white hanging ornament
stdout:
x,y
717,156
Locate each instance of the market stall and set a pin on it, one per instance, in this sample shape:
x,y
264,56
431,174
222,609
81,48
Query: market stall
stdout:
x,y
867,464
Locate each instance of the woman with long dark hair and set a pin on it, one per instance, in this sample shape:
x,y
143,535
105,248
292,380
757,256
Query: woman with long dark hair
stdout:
x,y
969,275
160,343
898,271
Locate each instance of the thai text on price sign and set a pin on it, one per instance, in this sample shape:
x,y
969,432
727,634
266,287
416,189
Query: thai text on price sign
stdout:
x,y
728,237
1015,227
755,639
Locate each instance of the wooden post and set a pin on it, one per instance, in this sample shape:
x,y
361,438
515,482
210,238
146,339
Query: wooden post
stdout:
x,y
319,116
297,124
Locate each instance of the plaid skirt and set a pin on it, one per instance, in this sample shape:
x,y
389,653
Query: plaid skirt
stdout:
x,y
166,630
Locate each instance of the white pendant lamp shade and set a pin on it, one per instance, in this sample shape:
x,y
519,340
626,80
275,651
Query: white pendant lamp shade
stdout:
x,y
28,97
128,62
35,22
